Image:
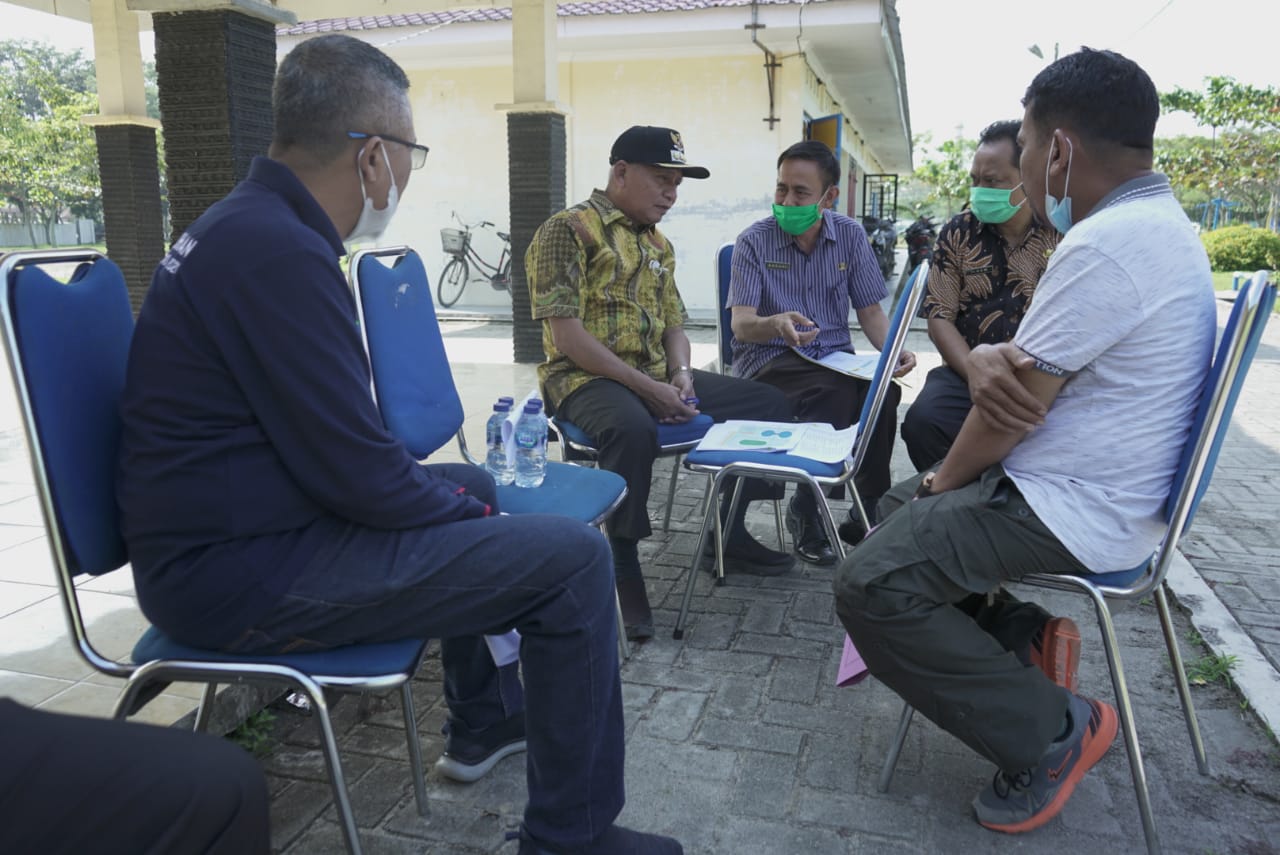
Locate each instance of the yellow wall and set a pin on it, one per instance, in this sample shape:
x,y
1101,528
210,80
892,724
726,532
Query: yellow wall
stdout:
x,y
717,103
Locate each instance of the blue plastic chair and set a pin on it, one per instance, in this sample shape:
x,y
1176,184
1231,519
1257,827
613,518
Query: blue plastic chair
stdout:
x,y
804,472
68,345
413,386
673,441
1226,375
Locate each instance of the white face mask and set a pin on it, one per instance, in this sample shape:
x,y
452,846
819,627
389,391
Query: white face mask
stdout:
x,y
373,222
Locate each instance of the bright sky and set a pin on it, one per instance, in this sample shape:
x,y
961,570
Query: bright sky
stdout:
x,y
968,64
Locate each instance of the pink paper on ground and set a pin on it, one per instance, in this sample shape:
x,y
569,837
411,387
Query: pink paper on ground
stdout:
x,y
852,669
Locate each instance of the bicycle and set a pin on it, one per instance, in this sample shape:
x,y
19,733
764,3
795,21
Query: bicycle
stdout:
x,y
457,272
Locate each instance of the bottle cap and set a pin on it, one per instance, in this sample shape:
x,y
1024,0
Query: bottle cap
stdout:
x,y
533,406
507,399
502,407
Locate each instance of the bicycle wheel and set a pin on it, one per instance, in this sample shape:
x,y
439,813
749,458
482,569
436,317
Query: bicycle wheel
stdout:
x,y
452,280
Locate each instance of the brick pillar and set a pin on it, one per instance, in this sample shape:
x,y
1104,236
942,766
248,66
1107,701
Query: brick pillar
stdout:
x,y
214,71
536,164
131,202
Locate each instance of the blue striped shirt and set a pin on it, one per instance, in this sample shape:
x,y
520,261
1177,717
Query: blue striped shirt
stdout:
x,y
771,274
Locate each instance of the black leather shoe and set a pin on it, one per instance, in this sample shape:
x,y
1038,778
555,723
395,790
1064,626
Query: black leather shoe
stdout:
x,y
744,554
852,531
811,543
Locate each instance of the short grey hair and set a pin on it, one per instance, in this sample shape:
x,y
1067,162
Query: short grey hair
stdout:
x,y
332,84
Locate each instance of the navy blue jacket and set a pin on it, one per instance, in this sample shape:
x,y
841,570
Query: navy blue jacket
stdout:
x,y
249,428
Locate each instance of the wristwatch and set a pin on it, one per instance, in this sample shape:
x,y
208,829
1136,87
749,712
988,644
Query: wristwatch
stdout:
x,y
682,369
926,487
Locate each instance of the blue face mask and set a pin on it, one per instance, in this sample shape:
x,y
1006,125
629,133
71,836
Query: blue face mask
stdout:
x,y
1059,213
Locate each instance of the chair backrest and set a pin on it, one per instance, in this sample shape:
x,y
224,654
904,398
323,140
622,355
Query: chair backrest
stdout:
x,y
415,390
68,347
1239,343
894,339
724,315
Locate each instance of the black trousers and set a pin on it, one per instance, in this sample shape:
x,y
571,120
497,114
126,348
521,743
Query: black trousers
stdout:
x,y
821,395
84,785
933,422
627,436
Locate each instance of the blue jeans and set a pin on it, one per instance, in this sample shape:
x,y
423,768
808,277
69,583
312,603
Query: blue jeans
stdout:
x,y
549,577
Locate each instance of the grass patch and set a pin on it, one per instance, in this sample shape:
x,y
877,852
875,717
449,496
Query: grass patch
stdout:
x,y
1211,669
254,735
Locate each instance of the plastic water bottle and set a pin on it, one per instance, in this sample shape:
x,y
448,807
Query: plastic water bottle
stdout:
x,y
496,455
531,445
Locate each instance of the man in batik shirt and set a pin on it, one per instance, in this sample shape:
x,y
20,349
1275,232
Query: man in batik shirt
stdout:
x,y
602,279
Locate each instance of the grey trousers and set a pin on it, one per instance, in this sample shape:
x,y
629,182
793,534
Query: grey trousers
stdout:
x,y
912,598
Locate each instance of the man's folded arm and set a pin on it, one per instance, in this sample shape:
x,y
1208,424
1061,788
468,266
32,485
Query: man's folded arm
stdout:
x,y
980,444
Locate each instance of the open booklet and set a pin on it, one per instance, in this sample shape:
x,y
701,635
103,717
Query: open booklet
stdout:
x,y
853,364
814,440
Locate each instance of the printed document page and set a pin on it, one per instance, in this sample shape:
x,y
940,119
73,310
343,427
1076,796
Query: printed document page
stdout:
x,y
814,440
853,364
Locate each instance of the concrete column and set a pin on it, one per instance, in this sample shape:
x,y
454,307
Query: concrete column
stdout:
x,y
127,157
536,146
536,162
215,69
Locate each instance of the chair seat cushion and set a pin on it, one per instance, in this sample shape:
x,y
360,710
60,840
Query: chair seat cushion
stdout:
x,y
768,458
572,491
668,435
1120,578
356,660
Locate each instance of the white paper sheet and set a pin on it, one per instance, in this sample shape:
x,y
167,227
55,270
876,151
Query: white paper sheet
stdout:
x,y
814,440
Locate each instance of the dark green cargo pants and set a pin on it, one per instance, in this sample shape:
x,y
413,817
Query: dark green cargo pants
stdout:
x,y
912,596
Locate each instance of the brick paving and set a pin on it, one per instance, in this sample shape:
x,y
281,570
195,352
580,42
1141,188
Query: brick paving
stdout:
x,y
739,742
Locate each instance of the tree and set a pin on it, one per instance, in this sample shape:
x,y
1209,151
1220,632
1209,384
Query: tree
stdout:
x,y
945,172
48,157
1237,165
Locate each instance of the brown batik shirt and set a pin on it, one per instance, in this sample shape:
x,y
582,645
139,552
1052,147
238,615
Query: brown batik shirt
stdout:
x,y
982,283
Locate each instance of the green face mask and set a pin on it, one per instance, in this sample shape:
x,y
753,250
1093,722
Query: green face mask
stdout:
x,y
796,219
991,204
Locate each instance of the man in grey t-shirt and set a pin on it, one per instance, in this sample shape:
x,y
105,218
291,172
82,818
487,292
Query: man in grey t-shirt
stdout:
x,y
1063,466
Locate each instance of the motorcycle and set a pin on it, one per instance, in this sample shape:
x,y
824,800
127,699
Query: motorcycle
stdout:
x,y
919,238
884,238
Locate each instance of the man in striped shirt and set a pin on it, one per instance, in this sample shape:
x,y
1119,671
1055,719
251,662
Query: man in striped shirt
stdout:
x,y
795,275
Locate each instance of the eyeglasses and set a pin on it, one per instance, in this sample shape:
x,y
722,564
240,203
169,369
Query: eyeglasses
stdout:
x,y
418,153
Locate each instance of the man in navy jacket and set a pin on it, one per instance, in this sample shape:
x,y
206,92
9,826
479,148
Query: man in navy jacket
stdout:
x,y
266,508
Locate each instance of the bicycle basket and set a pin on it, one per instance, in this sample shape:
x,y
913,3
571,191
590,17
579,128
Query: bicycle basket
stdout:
x,y
453,241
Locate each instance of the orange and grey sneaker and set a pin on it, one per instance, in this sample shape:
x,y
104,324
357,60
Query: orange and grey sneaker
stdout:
x,y
1055,650
1026,800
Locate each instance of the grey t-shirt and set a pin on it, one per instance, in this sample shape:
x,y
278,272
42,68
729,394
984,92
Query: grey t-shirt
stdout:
x,y
1125,308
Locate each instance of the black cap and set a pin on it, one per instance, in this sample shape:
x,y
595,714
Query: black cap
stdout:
x,y
655,147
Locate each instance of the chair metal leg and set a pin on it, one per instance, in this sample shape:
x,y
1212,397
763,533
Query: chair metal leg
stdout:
x,y
206,707
899,740
415,747
624,649
1125,709
777,521
857,503
671,492
720,533
329,746
710,516
1180,674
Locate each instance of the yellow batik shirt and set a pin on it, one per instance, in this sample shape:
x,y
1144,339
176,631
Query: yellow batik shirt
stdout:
x,y
593,263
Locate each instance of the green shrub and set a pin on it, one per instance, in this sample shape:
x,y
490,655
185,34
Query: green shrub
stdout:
x,y
1245,248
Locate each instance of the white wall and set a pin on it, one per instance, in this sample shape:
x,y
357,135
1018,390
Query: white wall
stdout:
x,y
718,104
